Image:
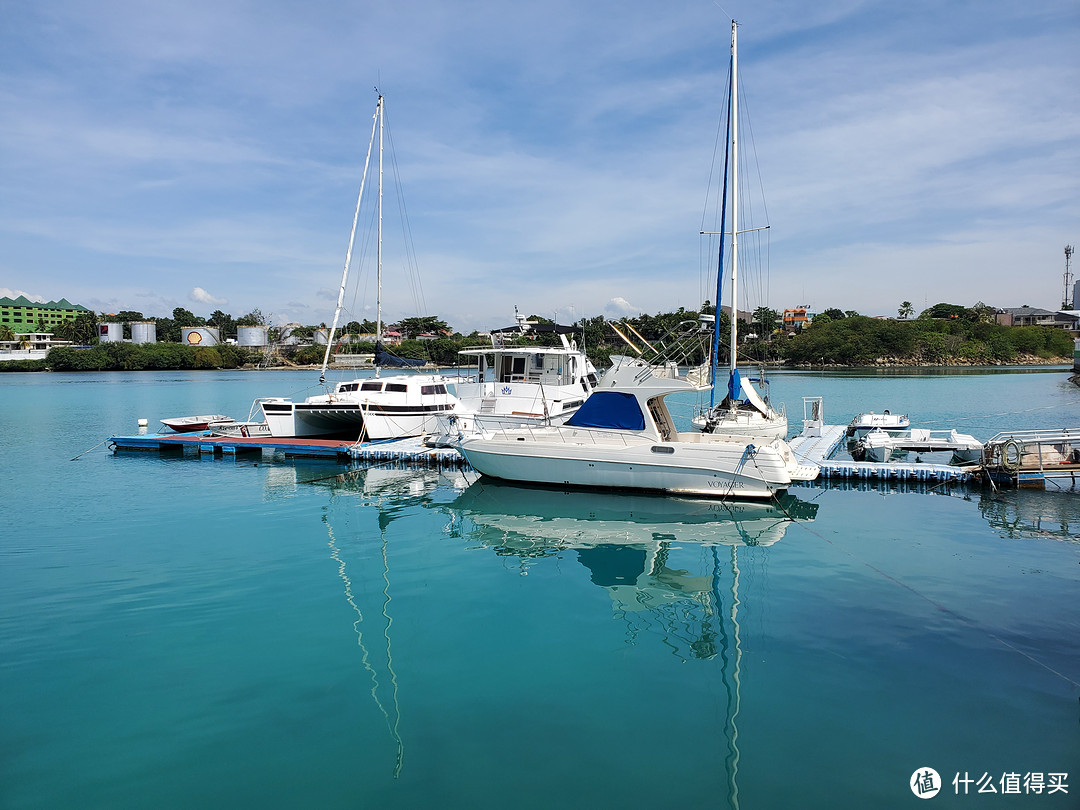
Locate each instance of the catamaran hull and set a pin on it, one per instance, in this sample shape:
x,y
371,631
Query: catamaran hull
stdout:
x,y
711,472
350,420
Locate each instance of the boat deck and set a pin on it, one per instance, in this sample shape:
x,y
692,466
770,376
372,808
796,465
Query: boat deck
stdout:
x,y
817,447
401,450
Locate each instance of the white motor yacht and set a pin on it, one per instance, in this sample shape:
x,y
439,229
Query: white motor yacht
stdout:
x,y
624,437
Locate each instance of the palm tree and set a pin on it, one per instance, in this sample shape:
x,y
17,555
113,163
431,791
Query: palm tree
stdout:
x,y
6,333
906,310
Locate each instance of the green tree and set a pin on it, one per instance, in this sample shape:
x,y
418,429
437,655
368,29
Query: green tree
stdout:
x,y
224,323
253,318
834,314
906,310
765,321
185,317
414,327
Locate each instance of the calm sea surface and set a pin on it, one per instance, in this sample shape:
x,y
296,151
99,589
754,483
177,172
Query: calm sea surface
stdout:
x,y
198,632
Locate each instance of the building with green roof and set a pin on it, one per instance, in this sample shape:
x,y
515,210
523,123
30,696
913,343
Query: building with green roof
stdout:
x,y
23,315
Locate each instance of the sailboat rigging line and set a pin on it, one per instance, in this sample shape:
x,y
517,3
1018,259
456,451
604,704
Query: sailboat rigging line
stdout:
x,y
412,271
352,240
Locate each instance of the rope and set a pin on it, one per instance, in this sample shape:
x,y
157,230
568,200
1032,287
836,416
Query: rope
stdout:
x,y
948,611
991,415
84,452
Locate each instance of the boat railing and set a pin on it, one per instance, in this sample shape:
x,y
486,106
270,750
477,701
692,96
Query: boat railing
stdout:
x,y
568,435
1033,449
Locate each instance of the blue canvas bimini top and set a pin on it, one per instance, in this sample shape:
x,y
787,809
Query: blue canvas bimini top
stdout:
x,y
609,409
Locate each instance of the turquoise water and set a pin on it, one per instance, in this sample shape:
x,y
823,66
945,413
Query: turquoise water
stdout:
x,y
185,631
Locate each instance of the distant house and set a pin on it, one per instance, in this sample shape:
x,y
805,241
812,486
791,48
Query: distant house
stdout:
x,y
1033,316
29,346
796,319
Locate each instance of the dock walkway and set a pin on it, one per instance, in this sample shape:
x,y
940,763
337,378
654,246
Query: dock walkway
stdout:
x,y
409,450
816,444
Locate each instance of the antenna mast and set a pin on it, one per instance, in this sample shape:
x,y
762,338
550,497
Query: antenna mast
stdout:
x,y
1066,298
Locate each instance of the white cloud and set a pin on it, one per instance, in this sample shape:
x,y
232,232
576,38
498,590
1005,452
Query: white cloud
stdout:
x,y
6,293
620,307
201,296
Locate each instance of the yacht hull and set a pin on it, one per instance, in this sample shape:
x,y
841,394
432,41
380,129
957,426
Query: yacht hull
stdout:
x,y
727,469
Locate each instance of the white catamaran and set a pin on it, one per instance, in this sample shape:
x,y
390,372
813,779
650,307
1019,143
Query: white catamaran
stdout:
x,y
743,411
365,408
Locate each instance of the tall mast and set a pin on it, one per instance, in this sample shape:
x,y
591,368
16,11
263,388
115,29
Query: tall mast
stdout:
x,y
734,198
348,253
378,273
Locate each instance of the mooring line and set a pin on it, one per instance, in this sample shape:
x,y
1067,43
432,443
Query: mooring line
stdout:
x,y
946,610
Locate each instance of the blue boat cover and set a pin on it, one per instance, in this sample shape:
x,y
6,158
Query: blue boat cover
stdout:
x,y
609,409
385,358
734,386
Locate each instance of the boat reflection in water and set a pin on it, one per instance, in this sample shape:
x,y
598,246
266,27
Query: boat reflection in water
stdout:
x,y
1020,514
632,545
628,543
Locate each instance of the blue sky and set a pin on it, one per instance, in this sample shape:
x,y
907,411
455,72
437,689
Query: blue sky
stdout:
x,y
555,156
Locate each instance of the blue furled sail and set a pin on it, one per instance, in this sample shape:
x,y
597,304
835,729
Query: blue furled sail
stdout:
x,y
734,386
389,360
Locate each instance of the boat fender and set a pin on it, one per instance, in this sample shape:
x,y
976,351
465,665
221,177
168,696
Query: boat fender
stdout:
x,y
244,431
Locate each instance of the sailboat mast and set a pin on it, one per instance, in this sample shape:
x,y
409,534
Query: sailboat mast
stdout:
x,y
378,262
734,197
352,242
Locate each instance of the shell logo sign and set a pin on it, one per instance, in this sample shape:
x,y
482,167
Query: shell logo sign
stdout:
x,y
194,338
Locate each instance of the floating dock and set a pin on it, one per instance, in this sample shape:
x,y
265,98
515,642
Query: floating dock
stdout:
x,y
817,443
409,450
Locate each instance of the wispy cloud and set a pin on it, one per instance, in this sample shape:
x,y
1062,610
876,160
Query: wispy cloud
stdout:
x,y
552,157
201,296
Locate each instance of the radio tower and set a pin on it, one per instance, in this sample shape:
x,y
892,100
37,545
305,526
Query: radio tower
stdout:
x,y
1068,275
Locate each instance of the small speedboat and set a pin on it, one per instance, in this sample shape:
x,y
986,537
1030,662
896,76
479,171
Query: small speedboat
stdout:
x,y
879,445
889,422
193,424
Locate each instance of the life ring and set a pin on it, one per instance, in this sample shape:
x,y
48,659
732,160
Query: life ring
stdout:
x,y
1011,453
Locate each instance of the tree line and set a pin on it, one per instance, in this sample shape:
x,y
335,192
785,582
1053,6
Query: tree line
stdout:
x,y
941,335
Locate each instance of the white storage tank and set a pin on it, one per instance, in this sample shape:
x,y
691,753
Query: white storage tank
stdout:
x,y
251,335
321,336
110,332
144,332
200,335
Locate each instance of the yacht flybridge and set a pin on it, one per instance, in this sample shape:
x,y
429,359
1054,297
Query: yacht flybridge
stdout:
x,y
519,383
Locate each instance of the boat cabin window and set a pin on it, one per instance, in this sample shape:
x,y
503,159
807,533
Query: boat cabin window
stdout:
x,y
399,388
348,387
432,389
513,369
371,386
